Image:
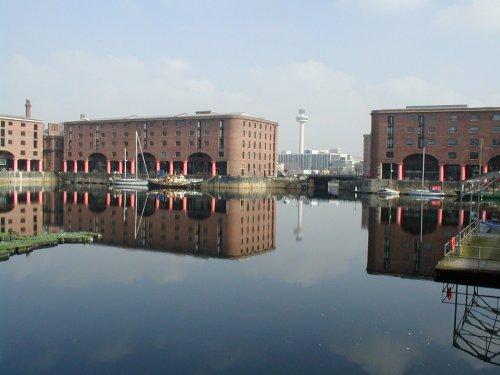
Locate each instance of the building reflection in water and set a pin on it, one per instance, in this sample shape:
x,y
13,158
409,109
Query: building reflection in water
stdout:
x,y
408,241
476,328
21,212
191,223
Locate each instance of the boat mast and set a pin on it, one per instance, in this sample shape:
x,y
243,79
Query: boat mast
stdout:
x,y
125,158
136,165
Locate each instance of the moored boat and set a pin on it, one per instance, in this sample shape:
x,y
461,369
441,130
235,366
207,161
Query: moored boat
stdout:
x,y
174,182
385,192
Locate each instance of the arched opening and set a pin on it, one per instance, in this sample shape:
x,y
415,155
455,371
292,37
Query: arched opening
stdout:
x,y
412,167
415,220
6,202
494,164
150,161
452,172
200,164
97,163
97,202
6,161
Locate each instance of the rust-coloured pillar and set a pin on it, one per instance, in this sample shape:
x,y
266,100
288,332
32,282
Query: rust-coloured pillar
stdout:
x,y
440,216
461,217
86,198
120,200
214,169
14,164
441,172
184,204
65,197
170,202
40,165
399,214
171,167
483,215
86,166
28,197
75,197
14,198
132,200
185,167
120,166
485,169
157,166
75,166
65,166
157,203
400,171
28,165
108,199
40,197
132,167
108,166
212,205
462,172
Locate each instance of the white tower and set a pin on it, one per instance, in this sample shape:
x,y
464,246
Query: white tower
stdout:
x,y
301,119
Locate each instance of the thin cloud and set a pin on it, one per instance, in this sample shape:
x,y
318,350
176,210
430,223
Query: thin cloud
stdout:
x,y
477,15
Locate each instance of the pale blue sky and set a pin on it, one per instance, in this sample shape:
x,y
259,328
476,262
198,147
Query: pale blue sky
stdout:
x,y
338,59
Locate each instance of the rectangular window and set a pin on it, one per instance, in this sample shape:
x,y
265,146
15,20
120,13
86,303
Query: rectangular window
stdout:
x,y
177,132
474,117
221,154
452,142
389,154
409,141
164,154
496,117
474,129
125,134
432,129
496,129
177,143
177,154
474,155
452,155
164,143
410,129
453,117
431,142
191,133
164,133
474,142
452,129
390,120
207,132
496,142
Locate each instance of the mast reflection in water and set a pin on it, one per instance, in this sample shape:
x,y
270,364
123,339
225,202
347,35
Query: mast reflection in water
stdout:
x,y
187,223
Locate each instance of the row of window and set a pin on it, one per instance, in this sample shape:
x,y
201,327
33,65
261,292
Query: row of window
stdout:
x,y
433,117
451,155
23,125
249,154
23,143
199,143
451,129
454,142
164,154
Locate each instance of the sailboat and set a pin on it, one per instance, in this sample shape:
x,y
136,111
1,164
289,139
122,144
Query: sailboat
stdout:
x,y
423,192
135,182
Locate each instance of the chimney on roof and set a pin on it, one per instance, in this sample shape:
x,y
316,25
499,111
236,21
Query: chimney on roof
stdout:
x,y
28,108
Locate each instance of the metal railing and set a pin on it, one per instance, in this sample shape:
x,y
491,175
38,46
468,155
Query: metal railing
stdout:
x,y
454,246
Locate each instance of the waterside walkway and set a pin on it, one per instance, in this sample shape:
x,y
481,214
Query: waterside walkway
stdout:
x,y
471,256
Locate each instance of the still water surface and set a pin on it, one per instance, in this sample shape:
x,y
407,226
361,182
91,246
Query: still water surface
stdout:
x,y
240,286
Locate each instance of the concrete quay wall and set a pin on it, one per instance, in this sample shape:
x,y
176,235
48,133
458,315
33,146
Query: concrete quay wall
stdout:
x,y
255,184
9,179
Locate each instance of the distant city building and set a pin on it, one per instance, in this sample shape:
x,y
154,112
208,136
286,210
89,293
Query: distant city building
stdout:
x,y
206,143
21,142
319,161
459,142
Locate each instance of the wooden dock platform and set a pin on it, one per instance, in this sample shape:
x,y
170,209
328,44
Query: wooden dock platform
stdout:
x,y
478,262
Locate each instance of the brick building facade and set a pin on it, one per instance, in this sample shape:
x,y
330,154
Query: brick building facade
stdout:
x,y
205,143
459,142
21,142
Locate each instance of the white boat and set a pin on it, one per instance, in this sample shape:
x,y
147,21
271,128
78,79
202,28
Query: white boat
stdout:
x,y
133,183
386,192
422,192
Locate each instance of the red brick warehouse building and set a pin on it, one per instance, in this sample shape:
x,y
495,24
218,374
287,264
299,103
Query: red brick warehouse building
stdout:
x,y
206,143
458,141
